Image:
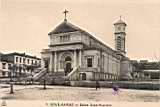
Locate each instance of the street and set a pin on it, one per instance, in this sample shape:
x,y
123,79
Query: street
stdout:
x,y
62,93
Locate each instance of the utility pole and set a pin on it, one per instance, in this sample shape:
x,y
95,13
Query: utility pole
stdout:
x,y
44,79
44,83
11,86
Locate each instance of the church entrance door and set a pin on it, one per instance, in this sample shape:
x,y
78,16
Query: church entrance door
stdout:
x,y
68,65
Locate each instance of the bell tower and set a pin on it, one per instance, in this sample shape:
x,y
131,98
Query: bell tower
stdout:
x,y
120,34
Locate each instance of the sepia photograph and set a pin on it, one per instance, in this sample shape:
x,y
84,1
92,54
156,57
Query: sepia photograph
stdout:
x,y
79,53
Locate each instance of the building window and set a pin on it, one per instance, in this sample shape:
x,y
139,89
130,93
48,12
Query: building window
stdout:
x,y
65,38
89,62
35,62
9,66
32,62
28,61
24,59
3,65
123,28
16,59
3,73
39,62
61,38
20,60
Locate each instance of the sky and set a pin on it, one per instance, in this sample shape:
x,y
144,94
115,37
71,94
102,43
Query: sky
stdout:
x,y
25,24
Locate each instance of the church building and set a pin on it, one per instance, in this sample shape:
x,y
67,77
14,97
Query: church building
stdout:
x,y
77,55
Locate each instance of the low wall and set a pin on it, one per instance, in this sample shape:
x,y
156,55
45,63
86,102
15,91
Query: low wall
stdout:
x,y
121,84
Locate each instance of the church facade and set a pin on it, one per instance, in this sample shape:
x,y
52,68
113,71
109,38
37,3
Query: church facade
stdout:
x,y
77,55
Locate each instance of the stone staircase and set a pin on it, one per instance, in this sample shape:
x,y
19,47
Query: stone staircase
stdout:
x,y
54,78
57,78
39,75
73,75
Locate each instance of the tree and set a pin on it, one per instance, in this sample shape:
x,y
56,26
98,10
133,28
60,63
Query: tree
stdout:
x,y
12,69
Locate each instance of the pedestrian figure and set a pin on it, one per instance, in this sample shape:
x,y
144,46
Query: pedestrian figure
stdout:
x,y
115,89
97,85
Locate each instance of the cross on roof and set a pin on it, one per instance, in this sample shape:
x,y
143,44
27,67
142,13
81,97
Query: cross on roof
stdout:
x,y
65,14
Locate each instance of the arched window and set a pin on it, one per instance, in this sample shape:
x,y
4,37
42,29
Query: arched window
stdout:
x,y
68,58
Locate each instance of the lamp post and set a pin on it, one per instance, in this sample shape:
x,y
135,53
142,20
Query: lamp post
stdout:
x,y
44,83
11,87
44,79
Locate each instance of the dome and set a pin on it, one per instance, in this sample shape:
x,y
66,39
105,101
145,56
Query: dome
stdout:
x,y
120,21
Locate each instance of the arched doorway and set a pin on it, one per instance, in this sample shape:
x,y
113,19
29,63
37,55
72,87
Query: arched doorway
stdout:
x,y
68,65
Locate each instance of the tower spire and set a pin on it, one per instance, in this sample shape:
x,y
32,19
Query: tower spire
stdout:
x,y
120,34
65,14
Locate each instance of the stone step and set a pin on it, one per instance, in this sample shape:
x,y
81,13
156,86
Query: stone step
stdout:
x,y
57,74
55,81
56,78
59,81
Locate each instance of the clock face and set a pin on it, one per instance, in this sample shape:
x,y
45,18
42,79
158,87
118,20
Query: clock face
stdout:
x,y
119,28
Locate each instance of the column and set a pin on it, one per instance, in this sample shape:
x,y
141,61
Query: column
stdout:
x,y
51,62
75,57
80,58
55,61
108,68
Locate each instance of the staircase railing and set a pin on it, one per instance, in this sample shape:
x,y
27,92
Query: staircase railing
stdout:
x,y
73,75
40,74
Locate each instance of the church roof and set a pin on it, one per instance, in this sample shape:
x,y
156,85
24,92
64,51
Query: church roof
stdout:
x,y
65,27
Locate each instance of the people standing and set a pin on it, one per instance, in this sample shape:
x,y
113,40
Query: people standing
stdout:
x,y
115,89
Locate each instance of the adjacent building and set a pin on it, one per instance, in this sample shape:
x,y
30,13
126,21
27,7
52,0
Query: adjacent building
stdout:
x,y
145,69
4,67
18,64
